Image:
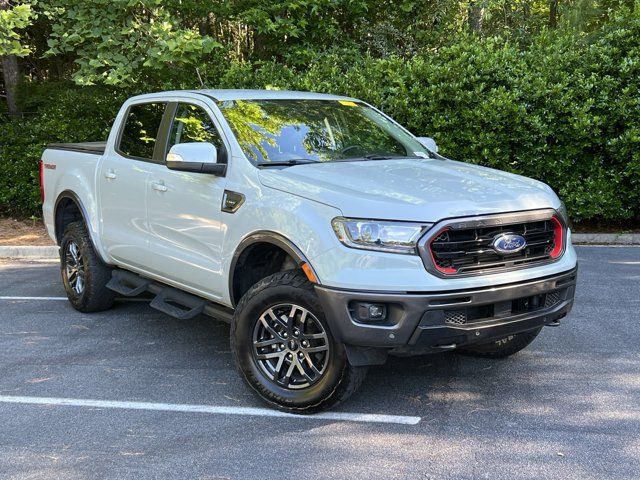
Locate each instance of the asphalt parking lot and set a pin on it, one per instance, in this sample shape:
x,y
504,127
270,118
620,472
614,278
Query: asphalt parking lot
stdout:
x,y
567,407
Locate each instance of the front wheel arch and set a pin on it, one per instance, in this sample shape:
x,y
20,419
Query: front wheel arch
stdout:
x,y
269,238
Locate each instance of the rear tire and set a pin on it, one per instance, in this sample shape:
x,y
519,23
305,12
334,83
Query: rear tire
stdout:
x,y
84,275
283,348
502,347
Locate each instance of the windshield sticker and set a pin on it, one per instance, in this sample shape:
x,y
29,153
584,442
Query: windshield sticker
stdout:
x,y
347,103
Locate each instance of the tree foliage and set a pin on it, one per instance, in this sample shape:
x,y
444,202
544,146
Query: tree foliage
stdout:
x,y
543,88
12,20
114,40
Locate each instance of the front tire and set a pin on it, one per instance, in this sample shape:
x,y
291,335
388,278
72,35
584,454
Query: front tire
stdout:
x,y
502,347
84,275
284,350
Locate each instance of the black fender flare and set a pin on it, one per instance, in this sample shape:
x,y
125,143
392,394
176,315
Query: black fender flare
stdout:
x,y
71,195
265,236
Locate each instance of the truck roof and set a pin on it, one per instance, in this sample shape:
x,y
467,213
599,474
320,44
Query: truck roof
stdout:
x,y
247,94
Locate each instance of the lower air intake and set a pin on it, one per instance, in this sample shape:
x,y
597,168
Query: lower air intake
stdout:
x,y
455,317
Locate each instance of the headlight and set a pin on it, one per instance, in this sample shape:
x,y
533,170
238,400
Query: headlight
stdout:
x,y
397,237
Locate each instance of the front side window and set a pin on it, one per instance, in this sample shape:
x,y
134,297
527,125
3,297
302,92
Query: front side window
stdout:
x,y
140,130
192,124
271,131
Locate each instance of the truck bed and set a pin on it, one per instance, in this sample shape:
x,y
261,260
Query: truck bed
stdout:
x,y
96,148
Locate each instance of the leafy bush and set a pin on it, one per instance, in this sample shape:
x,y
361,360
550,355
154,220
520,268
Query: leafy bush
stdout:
x,y
64,114
565,110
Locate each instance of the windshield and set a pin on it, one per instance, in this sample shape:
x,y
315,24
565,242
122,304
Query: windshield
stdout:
x,y
281,131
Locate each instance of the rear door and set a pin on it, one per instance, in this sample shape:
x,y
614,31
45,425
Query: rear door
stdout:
x,y
184,208
122,183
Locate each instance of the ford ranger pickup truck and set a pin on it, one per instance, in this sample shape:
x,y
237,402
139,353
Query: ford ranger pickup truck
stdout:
x,y
326,234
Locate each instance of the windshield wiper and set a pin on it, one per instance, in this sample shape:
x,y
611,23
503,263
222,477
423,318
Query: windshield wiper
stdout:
x,y
287,163
371,156
377,156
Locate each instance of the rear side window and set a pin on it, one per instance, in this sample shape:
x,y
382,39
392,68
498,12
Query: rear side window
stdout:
x,y
140,130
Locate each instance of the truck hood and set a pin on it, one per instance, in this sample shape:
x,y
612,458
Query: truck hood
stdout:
x,y
425,190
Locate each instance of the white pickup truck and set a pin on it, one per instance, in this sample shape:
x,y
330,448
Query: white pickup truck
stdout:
x,y
323,231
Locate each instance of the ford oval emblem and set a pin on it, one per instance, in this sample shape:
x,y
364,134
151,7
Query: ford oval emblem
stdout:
x,y
509,243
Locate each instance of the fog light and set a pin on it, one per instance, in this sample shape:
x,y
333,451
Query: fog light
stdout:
x,y
376,311
371,312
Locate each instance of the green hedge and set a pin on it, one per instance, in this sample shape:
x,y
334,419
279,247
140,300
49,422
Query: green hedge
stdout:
x,y
565,110
63,113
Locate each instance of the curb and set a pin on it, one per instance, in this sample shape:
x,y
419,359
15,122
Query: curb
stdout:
x,y
618,239
29,252
611,239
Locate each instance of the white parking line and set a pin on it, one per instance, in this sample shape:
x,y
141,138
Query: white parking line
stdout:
x,y
33,298
220,410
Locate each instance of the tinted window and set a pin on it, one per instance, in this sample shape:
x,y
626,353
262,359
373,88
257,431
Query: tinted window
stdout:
x,y
318,130
140,130
193,124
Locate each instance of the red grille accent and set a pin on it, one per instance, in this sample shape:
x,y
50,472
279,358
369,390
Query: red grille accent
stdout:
x,y
558,238
442,264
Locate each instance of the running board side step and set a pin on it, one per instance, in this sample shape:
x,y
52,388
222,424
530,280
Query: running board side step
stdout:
x,y
127,284
169,300
178,304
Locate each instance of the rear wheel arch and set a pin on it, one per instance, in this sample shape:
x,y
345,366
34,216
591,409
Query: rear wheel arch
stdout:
x,y
68,209
274,249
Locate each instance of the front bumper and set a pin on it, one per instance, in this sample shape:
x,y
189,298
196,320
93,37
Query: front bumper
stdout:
x,y
447,320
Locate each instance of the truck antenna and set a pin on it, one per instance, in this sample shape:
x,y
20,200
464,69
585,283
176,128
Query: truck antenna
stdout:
x,y
200,78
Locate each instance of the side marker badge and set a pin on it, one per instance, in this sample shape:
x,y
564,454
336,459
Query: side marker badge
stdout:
x,y
231,201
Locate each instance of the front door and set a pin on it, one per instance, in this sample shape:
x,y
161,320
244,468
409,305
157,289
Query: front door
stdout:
x,y
183,210
122,183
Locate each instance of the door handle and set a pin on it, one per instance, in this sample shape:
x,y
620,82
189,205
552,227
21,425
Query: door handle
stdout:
x,y
110,174
159,186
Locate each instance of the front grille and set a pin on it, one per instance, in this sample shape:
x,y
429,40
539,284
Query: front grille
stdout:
x,y
470,250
